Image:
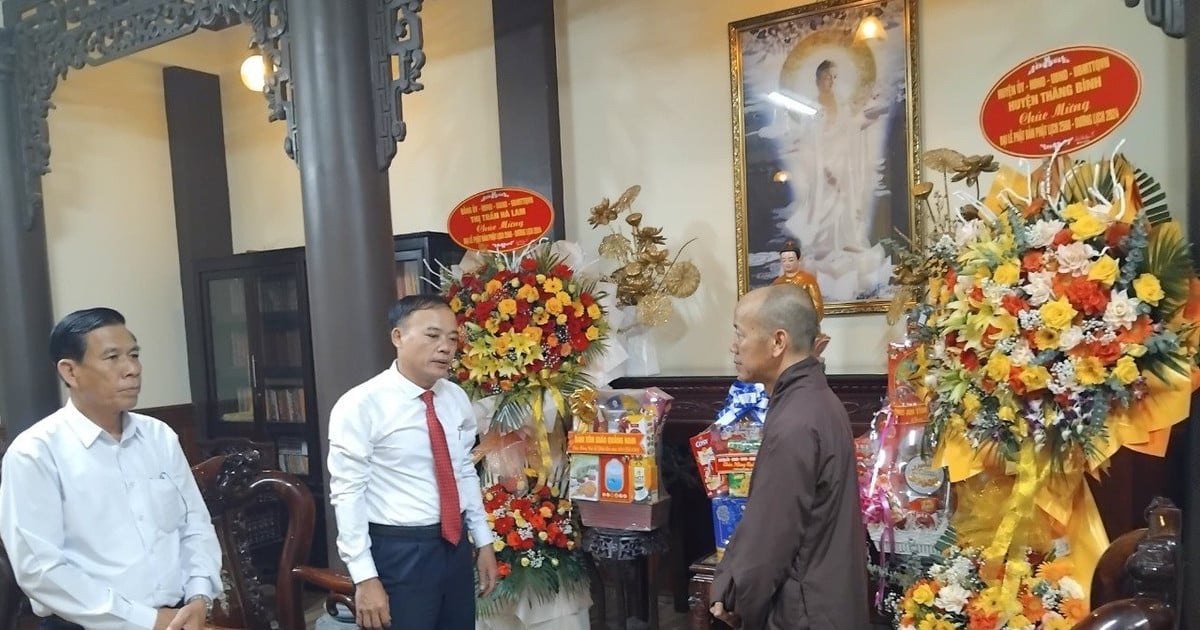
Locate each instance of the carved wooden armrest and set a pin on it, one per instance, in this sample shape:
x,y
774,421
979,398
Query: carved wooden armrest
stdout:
x,y
340,587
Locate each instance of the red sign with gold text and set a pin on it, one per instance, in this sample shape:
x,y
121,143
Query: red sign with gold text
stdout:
x,y
500,220
1070,97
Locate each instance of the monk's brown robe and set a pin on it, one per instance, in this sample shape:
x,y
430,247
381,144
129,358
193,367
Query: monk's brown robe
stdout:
x,y
797,560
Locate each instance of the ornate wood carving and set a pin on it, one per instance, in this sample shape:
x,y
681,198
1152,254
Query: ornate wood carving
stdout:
x,y
1169,15
52,37
395,35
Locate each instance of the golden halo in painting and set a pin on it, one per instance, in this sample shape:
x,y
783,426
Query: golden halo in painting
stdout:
x,y
853,61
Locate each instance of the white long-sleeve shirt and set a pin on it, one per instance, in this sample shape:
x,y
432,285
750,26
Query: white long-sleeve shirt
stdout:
x,y
381,463
104,532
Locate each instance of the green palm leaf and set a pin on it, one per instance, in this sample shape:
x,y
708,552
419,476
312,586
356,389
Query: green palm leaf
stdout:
x,y
1168,258
1154,198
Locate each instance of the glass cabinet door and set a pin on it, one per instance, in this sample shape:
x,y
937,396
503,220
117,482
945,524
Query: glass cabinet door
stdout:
x,y
232,361
280,370
408,273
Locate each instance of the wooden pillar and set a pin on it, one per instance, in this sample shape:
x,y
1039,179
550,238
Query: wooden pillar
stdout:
x,y
527,97
200,181
347,216
28,381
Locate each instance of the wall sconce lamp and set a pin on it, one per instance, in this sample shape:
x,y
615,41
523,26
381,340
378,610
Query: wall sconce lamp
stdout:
x,y
254,73
871,27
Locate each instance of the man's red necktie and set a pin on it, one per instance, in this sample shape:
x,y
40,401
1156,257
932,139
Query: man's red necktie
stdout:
x,y
443,471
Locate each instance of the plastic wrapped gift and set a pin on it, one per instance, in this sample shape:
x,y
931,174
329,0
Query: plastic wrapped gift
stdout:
x,y
906,501
614,443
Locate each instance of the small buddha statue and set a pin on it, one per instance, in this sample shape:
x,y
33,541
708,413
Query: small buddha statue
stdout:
x,y
789,258
793,273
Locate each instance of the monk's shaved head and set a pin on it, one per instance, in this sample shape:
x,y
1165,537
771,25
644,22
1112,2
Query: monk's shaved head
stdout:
x,y
789,308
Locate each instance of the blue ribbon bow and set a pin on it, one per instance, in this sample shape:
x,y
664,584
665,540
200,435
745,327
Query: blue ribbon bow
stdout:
x,y
745,400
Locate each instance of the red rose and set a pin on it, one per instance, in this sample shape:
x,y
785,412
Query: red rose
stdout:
x,y
1032,261
1116,233
528,264
586,299
1063,237
504,569
563,272
1014,304
513,539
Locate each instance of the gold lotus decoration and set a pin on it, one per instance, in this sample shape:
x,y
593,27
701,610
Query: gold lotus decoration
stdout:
x,y
647,275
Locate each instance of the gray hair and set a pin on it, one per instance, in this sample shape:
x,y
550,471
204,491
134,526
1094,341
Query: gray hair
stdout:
x,y
790,308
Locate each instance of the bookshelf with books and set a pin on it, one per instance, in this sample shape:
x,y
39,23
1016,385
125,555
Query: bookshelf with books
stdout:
x,y
259,382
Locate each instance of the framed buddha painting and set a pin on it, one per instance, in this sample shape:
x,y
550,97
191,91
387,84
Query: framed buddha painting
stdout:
x,y
825,144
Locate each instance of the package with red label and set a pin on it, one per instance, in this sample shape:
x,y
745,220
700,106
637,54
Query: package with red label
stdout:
x,y
726,451
614,442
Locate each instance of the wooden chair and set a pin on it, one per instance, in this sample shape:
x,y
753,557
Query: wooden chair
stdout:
x,y
228,484
1137,583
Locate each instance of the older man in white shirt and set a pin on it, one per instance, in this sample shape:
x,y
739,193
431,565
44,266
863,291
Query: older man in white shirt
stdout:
x,y
99,513
403,486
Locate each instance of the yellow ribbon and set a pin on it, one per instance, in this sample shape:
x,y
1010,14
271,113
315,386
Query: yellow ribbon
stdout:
x,y
541,436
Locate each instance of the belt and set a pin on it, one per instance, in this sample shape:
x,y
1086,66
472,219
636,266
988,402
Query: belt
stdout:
x,y
411,532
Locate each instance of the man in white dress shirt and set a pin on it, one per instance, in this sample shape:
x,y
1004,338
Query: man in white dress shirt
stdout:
x,y
99,513
404,489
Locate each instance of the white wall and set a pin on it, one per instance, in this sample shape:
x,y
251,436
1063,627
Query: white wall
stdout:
x,y
110,219
452,150
646,99
644,91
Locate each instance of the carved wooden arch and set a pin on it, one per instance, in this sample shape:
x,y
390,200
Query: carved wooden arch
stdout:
x,y
44,39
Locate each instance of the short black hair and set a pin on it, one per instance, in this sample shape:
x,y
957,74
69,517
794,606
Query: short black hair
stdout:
x,y
68,340
824,66
409,304
791,246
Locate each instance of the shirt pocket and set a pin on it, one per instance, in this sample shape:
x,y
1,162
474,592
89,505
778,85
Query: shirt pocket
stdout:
x,y
166,502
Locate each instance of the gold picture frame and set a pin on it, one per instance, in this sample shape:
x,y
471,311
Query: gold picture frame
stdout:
x,y
816,145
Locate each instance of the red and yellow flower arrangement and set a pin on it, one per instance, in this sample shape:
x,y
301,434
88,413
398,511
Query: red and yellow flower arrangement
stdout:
x,y
955,593
530,327
536,541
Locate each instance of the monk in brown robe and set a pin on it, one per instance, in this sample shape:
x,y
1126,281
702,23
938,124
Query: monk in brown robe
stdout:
x,y
797,560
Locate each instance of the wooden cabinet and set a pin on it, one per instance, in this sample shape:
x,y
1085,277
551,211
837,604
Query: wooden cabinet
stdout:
x,y
258,382
419,258
256,343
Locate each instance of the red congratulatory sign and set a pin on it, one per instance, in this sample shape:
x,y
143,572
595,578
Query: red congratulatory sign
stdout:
x,y
1072,97
500,220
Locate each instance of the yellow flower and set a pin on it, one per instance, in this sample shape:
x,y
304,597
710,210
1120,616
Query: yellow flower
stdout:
x,y
1045,338
594,312
498,544
524,561
455,304
507,307
923,595
563,297
1020,621
541,277
554,306
1074,211
998,367
1019,569
533,333
561,319
1126,370
529,293
492,325
1007,414
540,317
1035,377
1086,227
1135,350
1090,371
1105,271
543,536
520,520
970,403
492,286
1007,274
1055,622
1006,326
1058,314
592,333
552,285
1148,289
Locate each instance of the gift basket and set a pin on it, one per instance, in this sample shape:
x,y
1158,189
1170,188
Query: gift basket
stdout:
x,y
613,444
725,453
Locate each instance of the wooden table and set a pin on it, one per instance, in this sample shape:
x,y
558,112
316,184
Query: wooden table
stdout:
x,y
698,593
